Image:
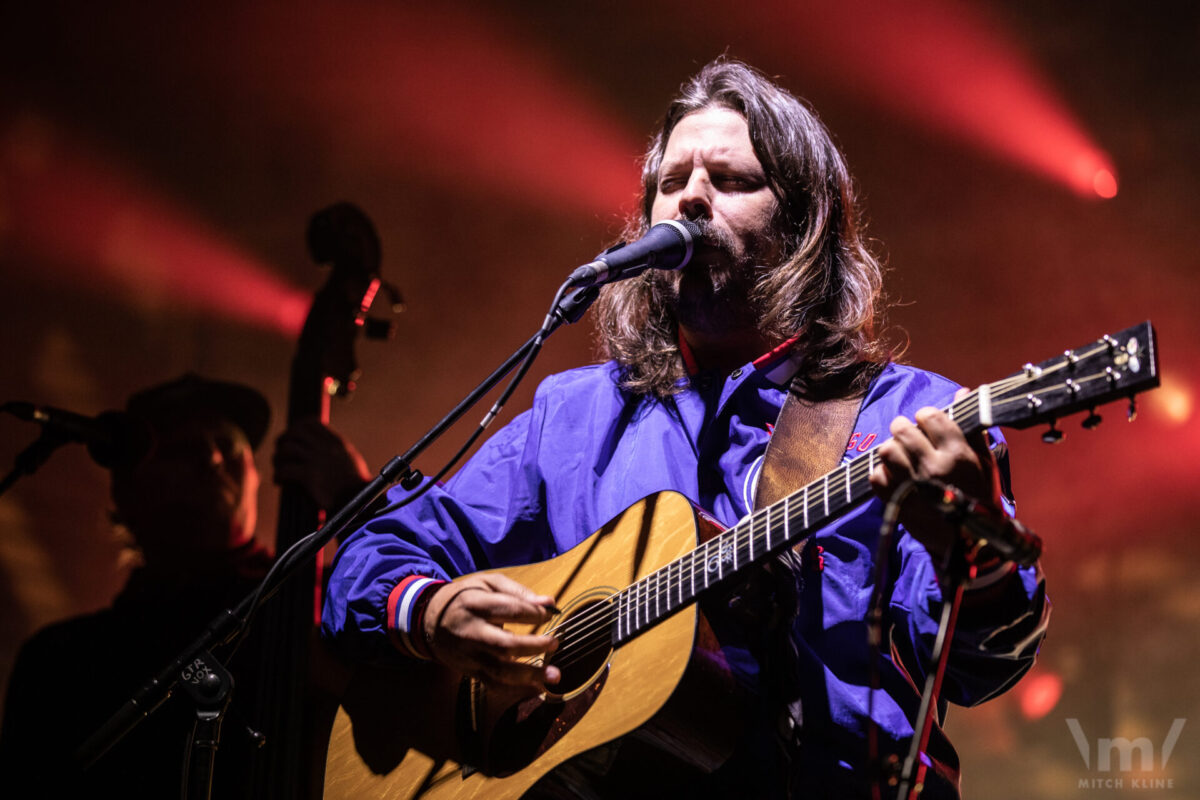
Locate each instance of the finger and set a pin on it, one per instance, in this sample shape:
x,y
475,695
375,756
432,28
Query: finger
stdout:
x,y
937,426
499,608
506,644
518,673
894,466
912,441
505,584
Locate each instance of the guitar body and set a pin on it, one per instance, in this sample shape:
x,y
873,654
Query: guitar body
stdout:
x,y
406,732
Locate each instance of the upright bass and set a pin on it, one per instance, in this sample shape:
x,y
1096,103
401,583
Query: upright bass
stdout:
x,y
295,695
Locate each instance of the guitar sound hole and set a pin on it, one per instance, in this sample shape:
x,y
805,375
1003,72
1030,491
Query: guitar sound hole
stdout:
x,y
585,643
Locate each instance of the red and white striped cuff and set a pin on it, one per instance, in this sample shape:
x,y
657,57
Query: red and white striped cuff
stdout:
x,y
405,608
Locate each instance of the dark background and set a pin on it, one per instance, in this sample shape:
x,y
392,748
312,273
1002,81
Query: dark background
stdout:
x,y
158,168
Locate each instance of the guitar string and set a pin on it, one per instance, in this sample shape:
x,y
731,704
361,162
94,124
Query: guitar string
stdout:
x,y
586,626
599,619
604,616
659,583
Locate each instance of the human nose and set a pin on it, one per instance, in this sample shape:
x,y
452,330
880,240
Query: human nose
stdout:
x,y
695,201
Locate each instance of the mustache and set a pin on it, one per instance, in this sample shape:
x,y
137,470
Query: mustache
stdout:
x,y
715,237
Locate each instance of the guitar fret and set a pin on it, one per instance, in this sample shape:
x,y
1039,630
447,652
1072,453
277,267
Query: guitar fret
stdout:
x,y
639,606
848,499
805,508
679,583
652,598
766,522
787,516
671,581
645,601
622,628
666,584
633,609
656,582
620,632
825,484
662,603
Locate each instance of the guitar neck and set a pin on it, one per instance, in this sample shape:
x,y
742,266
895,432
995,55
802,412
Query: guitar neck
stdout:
x,y
757,538
1114,366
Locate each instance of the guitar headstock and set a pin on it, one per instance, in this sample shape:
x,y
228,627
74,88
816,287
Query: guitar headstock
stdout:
x,y
1115,366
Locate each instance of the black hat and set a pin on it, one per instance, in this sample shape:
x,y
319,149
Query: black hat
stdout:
x,y
190,395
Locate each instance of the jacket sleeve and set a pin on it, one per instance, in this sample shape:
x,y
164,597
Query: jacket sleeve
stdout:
x,y
489,514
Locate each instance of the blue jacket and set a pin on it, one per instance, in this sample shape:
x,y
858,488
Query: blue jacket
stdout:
x,y
587,450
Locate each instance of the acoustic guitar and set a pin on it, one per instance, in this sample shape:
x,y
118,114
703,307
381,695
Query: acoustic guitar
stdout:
x,y
631,632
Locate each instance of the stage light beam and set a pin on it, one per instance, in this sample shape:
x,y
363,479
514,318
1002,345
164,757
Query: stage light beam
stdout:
x,y
94,225
949,67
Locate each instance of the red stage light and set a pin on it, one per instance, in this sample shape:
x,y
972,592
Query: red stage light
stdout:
x,y
1174,401
98,227
944,65
449,95
1038,694
1105,184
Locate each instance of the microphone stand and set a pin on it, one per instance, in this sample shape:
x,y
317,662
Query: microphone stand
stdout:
x,y
960,570
205,679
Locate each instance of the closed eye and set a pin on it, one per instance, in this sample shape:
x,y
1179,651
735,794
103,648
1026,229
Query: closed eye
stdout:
x,y
668,185
738,183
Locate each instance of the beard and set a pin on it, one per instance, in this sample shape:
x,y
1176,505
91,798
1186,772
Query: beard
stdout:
x,y
715,293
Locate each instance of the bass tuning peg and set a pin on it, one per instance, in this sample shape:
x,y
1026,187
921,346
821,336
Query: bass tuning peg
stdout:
x,y
1092,420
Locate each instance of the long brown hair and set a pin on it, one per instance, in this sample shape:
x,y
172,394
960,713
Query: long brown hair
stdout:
x,y
828,288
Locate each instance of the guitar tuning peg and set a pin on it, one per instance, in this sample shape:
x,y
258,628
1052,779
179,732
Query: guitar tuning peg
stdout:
x,y
1052,435
1131,413
1092,420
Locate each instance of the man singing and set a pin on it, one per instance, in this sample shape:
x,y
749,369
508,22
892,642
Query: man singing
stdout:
x,y
780,296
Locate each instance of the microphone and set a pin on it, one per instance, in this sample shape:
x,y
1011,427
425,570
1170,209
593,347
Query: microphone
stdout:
x,y
1006,535
668,245
113,438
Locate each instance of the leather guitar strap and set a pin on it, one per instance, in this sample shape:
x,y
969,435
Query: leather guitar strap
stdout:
x,y
809,440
